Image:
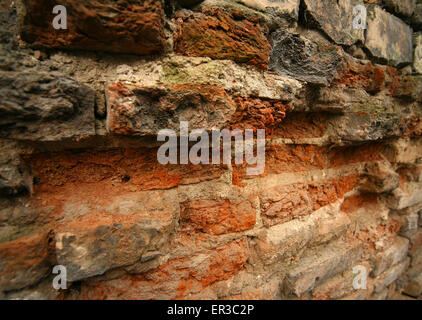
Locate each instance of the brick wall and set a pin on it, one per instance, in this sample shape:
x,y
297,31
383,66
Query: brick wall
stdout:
x,y
81,186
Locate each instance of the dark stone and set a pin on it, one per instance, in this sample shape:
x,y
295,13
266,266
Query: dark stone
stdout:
x,y
417,18
302,59
15,176
189,3
403,8
335,19
37,106
135,110
388,38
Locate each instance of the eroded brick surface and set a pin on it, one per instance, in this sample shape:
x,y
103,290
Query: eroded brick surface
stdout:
x,y
218,216
81,185
221,36
128,26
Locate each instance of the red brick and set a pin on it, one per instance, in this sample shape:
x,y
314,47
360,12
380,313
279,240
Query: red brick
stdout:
x,y
282,204
127,26
292,158
24,261
217,216
253,113
375,78
176,279
119,169
221,36
302,125
356,202
98,178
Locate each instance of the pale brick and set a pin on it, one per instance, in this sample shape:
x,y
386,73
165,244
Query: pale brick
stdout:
x,y
318,265
414,288
94,243
341,286
390,275
129,27
407,195
287,238
410,225
415,242
334,18
24,261
394,254
404,151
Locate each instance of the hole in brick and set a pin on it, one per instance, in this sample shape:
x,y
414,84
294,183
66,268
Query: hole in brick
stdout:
x,y
126,178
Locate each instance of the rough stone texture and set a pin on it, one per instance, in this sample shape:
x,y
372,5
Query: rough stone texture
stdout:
x,y
334,19
394,254
320,265
414,288
390,275
417,59
93,249
234,79
404,151
179,278
415,243
41,291
285,8
147,110
417,17
379,177
388,38
402,7
24,261
123,234
218,35
44,107
358,74
284,240
409,222
359,127
284,203
341,287
405,196
251,12
303,59
17,217
80,183
14,174
217,217
131,26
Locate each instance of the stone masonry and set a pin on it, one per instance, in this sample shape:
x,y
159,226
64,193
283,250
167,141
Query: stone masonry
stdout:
x,y
81,186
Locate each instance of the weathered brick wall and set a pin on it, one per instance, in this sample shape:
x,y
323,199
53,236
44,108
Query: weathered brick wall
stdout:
x,y
80,184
